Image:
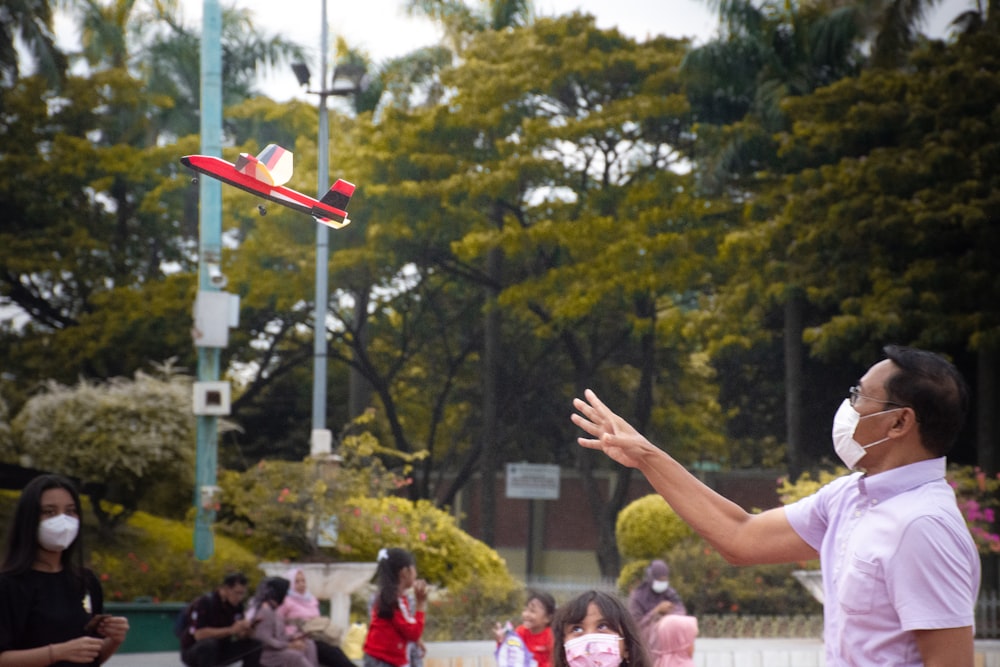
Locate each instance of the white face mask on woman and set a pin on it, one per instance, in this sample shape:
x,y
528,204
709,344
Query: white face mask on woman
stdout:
x,y
58,532
598,649
659,586
845,422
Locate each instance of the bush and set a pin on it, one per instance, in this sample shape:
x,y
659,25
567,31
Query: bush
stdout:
x,y
645,529
710,585
154,557
446,555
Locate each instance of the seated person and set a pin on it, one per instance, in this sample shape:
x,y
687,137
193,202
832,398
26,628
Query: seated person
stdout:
x,y
300,606
219,633
280,649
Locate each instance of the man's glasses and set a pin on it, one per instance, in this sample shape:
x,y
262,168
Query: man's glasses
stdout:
x,y
855,394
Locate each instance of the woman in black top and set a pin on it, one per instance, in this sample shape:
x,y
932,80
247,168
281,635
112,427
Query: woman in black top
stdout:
x,y
51,607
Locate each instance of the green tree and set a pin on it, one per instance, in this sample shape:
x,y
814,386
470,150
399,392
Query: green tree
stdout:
x,y
553,129
737,83
31,22
901,196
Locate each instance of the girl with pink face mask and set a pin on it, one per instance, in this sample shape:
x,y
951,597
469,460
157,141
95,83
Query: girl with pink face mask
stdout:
x,y
596,630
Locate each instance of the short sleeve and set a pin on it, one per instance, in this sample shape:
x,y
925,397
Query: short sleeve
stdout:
x,y
933,579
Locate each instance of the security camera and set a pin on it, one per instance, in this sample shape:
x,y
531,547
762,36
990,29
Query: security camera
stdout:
x,y
216,277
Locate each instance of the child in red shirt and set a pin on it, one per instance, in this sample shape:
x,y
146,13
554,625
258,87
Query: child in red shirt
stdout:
x,y
535,630
394,625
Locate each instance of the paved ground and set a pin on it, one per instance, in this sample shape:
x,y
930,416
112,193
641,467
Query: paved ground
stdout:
x,y
708,653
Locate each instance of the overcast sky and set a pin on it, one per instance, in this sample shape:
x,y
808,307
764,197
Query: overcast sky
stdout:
x,y
383,30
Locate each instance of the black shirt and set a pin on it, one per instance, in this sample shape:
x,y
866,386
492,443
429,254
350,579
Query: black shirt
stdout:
x,y
42,608
211,611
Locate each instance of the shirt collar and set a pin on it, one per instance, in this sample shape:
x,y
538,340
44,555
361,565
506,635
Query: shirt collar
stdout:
x,y
891,483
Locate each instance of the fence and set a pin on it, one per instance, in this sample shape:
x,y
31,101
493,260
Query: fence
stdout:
x,y
988,615
565,588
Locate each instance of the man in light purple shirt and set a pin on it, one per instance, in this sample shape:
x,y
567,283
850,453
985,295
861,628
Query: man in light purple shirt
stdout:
x,y
900,570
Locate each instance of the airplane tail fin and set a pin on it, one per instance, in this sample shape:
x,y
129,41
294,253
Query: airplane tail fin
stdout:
x,y
336,198
339,195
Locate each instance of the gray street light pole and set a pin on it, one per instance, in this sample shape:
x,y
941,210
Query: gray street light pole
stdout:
x,y
320,440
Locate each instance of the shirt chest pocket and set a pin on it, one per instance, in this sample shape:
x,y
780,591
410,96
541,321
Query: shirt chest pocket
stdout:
x,y
859,586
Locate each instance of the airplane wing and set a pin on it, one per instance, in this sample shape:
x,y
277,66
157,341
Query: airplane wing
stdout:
x,y
239,175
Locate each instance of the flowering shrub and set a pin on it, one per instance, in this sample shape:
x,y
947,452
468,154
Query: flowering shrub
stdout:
x,y
978,497
155,561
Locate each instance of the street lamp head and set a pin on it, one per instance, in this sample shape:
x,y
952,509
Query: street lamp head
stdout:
x,y
350,73
301,73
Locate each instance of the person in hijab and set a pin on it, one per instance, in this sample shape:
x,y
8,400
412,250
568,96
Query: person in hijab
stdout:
x,y
671,641
654,598
300,606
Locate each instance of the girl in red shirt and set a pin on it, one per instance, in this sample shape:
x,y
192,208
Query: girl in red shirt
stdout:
x,y
535,629
394,625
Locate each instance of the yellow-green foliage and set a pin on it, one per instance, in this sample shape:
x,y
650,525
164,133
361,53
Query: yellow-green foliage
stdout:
x,y
475,587
153,557
805,485
631,575
271,506
647,527
446,555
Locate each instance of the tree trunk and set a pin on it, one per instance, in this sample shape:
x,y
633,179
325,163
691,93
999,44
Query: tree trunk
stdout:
x,y
491,357
358,388
987,408
793,381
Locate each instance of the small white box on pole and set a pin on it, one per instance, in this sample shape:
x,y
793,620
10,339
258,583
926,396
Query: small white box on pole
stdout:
x,y
214,314
211,398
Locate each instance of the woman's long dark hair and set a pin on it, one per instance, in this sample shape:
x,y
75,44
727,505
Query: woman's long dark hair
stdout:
x,y
271,589
22,536
387,580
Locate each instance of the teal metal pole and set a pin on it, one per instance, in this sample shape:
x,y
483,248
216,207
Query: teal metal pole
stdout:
x,y
210,251
322,249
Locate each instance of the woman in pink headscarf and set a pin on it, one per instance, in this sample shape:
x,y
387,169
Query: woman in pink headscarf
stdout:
x,y
671,641
299,606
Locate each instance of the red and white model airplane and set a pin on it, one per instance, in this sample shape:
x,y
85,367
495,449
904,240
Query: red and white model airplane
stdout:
x,y
265,176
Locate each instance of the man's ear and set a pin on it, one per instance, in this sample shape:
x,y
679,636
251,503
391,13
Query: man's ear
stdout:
x,y
905,423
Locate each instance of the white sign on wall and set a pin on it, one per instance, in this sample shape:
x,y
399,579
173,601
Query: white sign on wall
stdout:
x,y
535,481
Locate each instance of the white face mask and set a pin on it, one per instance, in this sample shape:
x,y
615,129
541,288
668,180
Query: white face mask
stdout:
x,y
597,649
845,422
659,586
58,532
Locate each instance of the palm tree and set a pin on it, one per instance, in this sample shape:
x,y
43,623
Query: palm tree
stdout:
x,y
765,54
31,22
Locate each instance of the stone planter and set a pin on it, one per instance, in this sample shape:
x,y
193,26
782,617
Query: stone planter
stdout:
x,y
329,581
812,580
